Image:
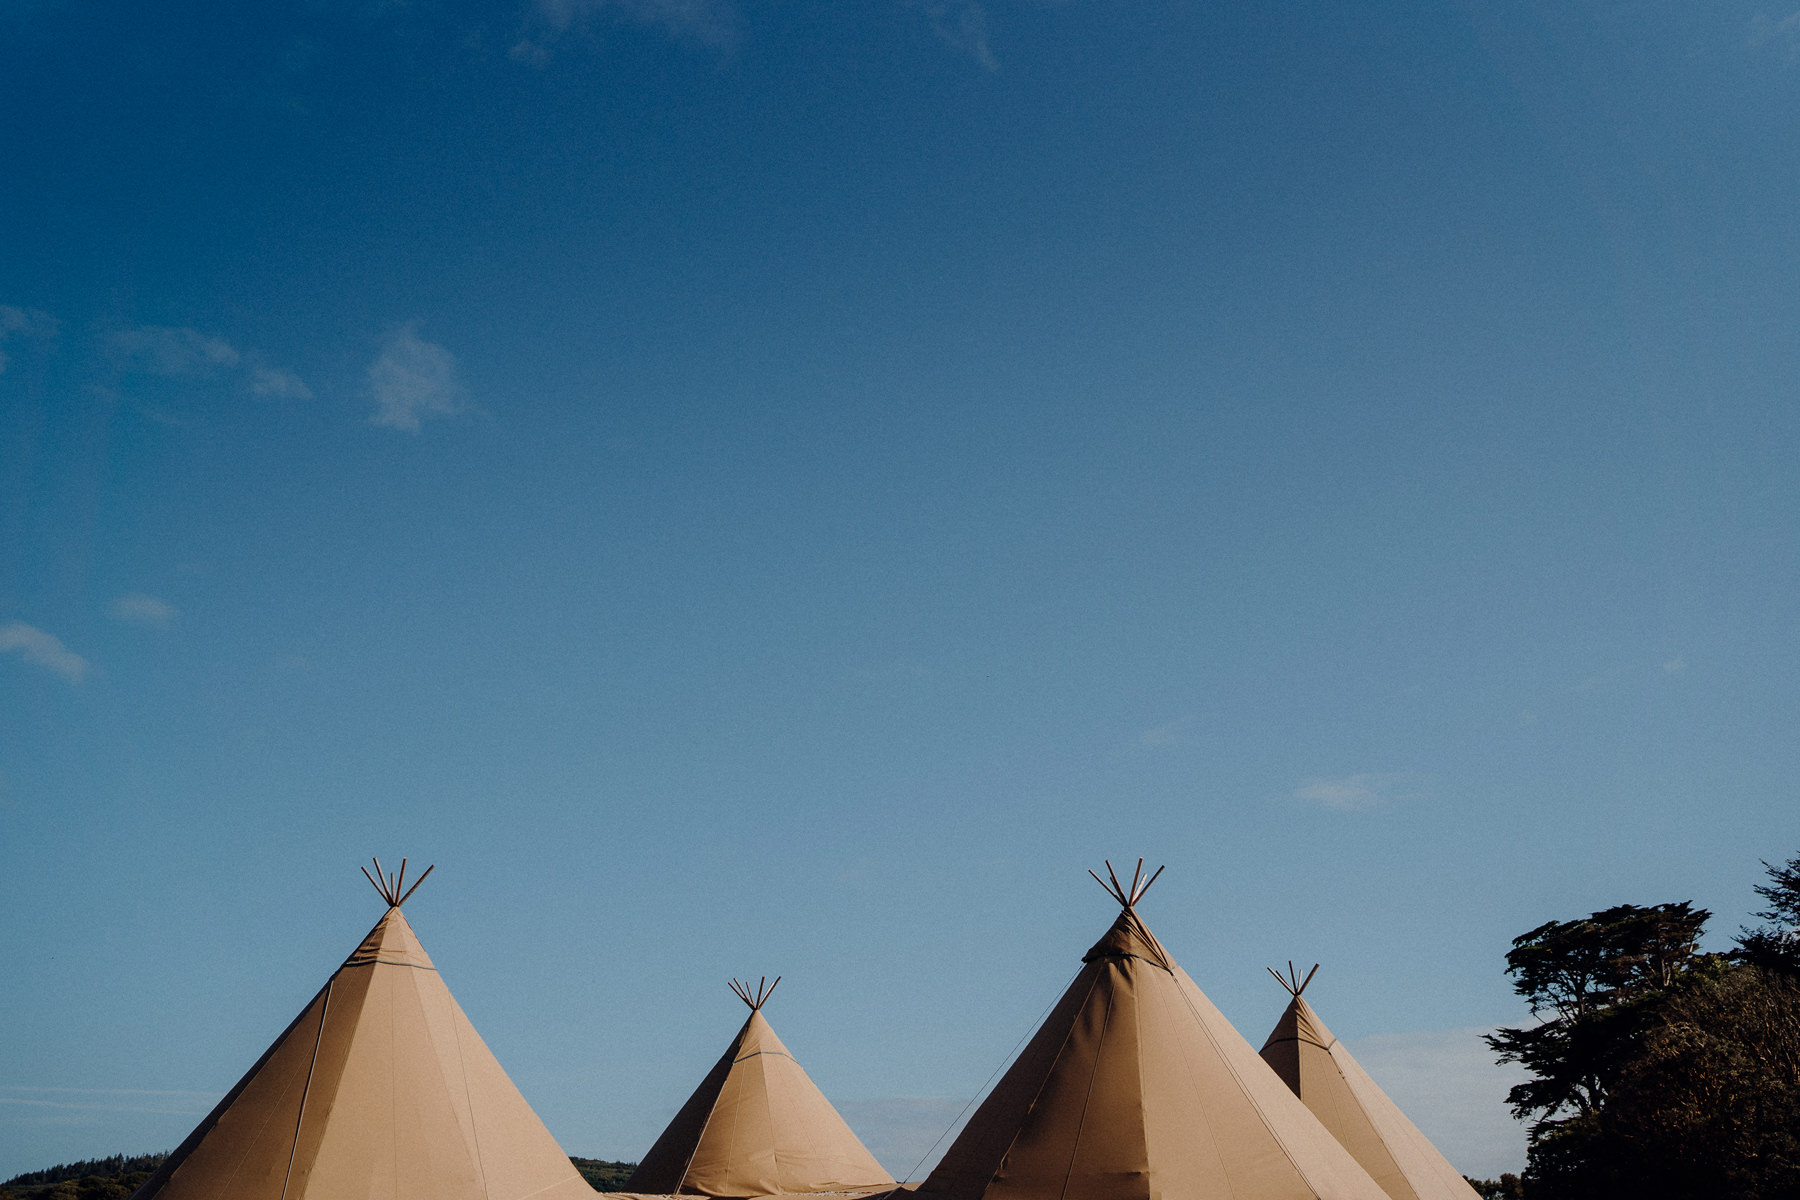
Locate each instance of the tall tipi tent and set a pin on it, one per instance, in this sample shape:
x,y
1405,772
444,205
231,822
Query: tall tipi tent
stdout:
x,y
1357,1112
1136,1088
379,1090
757,1126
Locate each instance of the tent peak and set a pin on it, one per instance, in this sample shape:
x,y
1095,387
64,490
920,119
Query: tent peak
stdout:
x,y
390,883
1126,896
1292,981
755,999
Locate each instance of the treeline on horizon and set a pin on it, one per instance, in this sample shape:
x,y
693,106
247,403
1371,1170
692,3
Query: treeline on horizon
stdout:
x,y
118,1176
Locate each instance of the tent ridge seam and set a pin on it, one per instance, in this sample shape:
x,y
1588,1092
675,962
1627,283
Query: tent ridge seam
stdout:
x,y
1088,1097
306,1090
1035,1097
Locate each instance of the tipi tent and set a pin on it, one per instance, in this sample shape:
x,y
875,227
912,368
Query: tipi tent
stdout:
x,y
1357,1112
757,1126
379,1090
1136,1088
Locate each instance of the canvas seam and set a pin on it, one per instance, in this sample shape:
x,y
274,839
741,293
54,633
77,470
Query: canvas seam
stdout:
x,y
1088,1097
474,1126
1239,1080
1035,1097
306,1091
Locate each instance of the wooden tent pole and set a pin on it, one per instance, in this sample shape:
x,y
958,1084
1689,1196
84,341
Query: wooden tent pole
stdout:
x,y
416,883
376,886
1150,881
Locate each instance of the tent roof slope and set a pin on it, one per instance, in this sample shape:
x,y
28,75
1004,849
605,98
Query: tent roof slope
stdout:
x,y
1136,1088
1321,1072
757,1126
380,1089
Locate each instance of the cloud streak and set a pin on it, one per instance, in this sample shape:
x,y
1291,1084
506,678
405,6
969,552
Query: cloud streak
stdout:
x,y
1358,793
413,380
709,22
136,608
24,324
1448,1082
962,26
42,650
183,353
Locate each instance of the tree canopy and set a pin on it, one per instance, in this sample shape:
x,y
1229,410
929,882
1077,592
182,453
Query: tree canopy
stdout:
x,y
1658,1070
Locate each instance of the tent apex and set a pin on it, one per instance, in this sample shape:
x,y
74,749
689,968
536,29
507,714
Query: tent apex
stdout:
x,y
754,998
1292,981
1126,896
389,884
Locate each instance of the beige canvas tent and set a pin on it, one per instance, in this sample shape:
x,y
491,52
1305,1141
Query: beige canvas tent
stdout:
x,y
757,1126
1357,1112
379,1090
1136,1088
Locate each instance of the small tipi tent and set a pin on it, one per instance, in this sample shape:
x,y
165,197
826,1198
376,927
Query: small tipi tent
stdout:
x,y
757,1126
1136,1088
1357,1112
380,1090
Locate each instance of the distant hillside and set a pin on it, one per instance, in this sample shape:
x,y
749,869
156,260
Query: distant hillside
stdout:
x,y
112,1178
604,1176
115,1178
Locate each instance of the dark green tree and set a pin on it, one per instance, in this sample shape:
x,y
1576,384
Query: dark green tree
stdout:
x,y
1710,1105
1598,983
1776,946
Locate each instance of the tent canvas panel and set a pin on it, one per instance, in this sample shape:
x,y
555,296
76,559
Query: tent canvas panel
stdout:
x,y
1137,1088
756,1126
1324,1075
379,1089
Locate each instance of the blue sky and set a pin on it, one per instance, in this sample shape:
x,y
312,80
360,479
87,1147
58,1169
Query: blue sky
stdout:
x,y
783,488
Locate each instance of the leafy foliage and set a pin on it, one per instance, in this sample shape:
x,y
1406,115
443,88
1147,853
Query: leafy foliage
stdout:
x,y
1658,1071
1776,946
604,1176
104,1168
1600,978
1711,1106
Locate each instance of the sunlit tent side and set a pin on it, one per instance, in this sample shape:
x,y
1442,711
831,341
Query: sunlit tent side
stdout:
x,y
1136,1088
381,1090
757,1126
1358,1113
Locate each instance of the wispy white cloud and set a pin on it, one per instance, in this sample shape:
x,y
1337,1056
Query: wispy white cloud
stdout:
x,y
278,383
1675,666
902,1131
42,649
1174,733
177,353
710,22
183,353
413,380
106,1099
24,324
962,25
1359,793
136,608
1448,1083
1779,34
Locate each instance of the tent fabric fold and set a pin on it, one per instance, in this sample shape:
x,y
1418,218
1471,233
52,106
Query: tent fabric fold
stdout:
x,y
1321,1072
1136,1088
757,1126
380,1089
